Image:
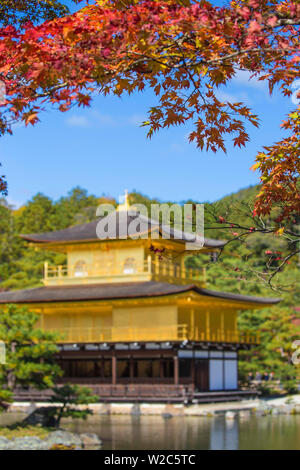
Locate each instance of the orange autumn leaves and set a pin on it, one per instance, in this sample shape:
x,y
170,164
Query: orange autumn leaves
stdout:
x,y
183,51
279,165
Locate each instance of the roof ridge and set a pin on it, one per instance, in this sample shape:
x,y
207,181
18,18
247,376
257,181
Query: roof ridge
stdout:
x,y
87,231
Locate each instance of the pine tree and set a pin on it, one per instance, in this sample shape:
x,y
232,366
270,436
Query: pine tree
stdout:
x,y
69,397
30,352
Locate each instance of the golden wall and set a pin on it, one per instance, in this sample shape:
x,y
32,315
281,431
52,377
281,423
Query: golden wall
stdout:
x,y
101,262
156,322
208,324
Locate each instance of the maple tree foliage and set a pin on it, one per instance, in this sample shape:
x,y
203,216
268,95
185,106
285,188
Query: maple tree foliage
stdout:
x,y
17,13
182,50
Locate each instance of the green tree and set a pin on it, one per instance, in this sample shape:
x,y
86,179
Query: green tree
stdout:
x,y
69,397
277,331
10,243
78,207
18,12
36,216
30,352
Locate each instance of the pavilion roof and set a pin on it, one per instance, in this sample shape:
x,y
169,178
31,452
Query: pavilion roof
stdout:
x,y
130,290
124,222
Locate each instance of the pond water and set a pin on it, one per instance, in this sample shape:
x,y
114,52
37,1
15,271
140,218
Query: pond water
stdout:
x,y
197,433
186,433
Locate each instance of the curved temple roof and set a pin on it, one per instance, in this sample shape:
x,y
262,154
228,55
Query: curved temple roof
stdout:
x,y
121,291
117,224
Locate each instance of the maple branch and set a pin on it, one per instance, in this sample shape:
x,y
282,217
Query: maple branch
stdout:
x,y
239,53
51,91
281,266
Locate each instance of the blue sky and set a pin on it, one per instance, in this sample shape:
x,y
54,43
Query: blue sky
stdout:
x,y
104,150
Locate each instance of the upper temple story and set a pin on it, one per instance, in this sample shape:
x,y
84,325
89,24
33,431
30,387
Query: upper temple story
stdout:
x,y
123,246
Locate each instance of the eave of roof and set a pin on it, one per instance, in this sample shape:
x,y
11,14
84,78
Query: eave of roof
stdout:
x,y
97,292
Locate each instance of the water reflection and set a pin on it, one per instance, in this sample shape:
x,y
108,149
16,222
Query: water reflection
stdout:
x,y
178,433
224,434
187,433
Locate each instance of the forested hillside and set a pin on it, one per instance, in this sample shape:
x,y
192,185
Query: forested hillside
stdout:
x,y
244,266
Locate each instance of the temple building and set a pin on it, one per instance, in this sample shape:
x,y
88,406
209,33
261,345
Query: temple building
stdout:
x,y
135,323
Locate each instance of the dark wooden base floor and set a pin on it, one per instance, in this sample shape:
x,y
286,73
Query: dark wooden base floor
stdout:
x,y
147,393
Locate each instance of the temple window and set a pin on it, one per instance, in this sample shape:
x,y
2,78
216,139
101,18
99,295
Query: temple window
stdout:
x,y
185,367
86,369
146,368
129,266
168,368
80,269
123,368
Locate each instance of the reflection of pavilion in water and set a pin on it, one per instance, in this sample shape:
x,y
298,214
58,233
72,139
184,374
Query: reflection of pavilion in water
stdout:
x,y
153,432
196,432
224,434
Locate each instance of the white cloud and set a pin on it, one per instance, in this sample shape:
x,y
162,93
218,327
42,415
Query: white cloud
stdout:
x,y
236,98
14,204
97,119
78,121
103,119
223,96
137,119
177,148
243,77
118,121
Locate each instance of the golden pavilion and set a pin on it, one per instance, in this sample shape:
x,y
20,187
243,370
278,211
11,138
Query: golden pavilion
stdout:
x,y
136,325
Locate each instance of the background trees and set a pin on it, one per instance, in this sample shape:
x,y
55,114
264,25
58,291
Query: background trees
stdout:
x,y
245,266
18,12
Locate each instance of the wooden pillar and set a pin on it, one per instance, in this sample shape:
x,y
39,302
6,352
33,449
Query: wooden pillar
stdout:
x,y
59,271
149,261
222,327
46,265
182,267
192,332
156,266
114,368
176,370
236,328
207,326
131,368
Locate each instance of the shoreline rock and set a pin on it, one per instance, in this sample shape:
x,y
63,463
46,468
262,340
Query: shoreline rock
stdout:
x,y
59,439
